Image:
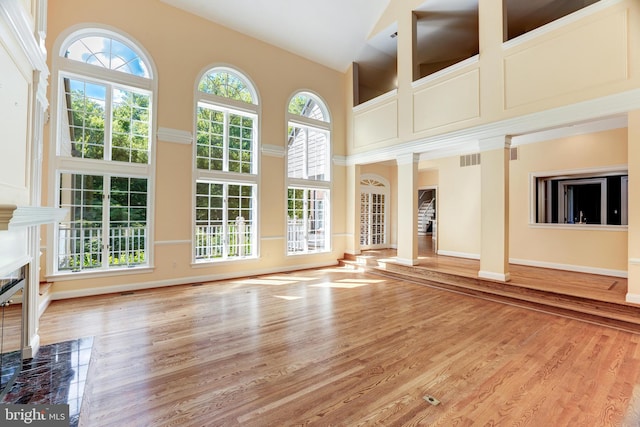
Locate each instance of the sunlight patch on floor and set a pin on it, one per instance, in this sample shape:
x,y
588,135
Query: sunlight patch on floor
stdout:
x,y
287,297
347,283
269,282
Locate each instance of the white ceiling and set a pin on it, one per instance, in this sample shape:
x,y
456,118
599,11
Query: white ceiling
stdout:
x,y
330,32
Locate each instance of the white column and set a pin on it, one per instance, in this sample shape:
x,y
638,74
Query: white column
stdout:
x,y
633,233
494,233
408,209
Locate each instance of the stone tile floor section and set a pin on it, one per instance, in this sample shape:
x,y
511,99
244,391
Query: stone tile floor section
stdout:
x,y
57,375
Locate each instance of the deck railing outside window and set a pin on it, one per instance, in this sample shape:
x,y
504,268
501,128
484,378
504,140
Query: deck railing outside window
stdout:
x,y
82,248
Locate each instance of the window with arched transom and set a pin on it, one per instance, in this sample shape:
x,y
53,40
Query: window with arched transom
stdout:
x,y
225,157
308,174
104,100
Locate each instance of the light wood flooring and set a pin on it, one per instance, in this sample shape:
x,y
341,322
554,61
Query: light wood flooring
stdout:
x,y
340,347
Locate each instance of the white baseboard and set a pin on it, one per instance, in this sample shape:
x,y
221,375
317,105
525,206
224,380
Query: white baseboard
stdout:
x,y
458,254
633,298
568,267
131,287
501,277
406,261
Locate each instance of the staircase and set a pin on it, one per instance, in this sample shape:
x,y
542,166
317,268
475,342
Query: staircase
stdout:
x,y
426,213
618,315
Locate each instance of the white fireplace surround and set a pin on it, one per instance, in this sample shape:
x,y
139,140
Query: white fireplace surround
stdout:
x,y
13,217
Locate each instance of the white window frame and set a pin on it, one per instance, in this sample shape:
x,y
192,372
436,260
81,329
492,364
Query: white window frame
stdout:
x,y
60,163
537,203
310,184
227,106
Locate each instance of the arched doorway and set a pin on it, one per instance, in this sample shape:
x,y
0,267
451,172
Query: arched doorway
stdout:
x,y
374,202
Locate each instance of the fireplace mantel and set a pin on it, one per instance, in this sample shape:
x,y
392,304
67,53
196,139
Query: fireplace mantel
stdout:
x,y
13,217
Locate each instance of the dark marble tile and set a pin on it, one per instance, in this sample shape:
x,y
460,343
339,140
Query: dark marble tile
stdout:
x,y
57,375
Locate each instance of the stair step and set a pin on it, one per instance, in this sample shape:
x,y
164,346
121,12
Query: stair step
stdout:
x,y
621,316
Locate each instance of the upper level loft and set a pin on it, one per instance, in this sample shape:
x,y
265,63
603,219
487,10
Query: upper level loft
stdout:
x,y
445,33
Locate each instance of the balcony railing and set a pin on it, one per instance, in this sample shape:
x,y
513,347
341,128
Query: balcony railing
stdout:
x,y
211,242
82,248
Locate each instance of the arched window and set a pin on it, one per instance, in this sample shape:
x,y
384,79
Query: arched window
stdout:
x,y
104,90
225,166
308,175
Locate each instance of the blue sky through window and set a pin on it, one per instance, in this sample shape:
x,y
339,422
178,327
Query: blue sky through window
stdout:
x,y
107,53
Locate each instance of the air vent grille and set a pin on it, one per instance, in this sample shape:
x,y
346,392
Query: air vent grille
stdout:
x,y
470,160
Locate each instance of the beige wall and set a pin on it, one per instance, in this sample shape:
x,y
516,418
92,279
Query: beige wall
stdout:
x,y
182,46
591,54
603,249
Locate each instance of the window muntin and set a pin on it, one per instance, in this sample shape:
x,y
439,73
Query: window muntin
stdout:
x,y
308,175
107,52
582,199
225,140
227,84
225,167
105,121
306,105
225,221
307,220
84,242
308,153
102,165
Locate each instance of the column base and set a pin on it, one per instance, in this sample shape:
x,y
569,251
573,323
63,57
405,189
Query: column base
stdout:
x,y
501,277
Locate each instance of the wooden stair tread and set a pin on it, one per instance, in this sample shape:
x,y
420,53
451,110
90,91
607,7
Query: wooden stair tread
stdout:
x,y
609,313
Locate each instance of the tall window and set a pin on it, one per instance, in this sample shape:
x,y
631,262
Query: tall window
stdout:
x,y
225,167
103,158
308,175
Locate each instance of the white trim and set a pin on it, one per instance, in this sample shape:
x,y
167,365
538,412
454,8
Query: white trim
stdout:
x,y
339,160
273,150
375,101
501,277
174,135
633,298
495,143
590,227
474,60
265,238
459,254
634,261
98,273
17,17
560,23
568,267
407,159
609,123
181,281
406,261
466,140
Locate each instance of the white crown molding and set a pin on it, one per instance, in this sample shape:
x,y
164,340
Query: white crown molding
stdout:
x,y
175,135
495,143
609,123
340,160
273,150
467,140
12,216
21,24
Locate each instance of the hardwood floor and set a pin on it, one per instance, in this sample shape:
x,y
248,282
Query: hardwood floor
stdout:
x,y
338,347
